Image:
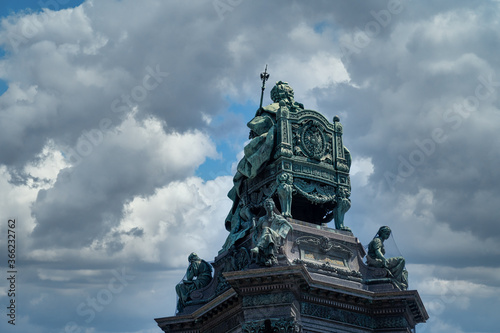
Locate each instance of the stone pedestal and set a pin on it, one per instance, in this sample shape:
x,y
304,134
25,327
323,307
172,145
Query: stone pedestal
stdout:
x,y
320,284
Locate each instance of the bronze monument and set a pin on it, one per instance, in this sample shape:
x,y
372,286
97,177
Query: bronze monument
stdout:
x,y
282,269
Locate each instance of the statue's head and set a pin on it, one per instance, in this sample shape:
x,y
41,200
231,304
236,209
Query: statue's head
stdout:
x,y
384,232
281,91
193,257
269,205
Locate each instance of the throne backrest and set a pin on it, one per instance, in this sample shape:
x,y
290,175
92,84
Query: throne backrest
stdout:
x,y
307,146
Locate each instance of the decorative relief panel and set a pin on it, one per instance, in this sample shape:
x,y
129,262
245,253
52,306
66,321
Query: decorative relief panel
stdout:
x,y
307,170
327,269
323,250
268,299
342,316
392,322
313,140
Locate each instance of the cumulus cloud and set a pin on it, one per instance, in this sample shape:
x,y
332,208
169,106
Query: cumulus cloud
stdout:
x,y
135,159
424,114
112,107
177,220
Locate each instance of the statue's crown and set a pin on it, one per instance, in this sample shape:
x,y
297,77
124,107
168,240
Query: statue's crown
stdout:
x,y
281,91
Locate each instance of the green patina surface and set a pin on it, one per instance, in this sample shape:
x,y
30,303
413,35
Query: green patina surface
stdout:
x,y
395,266
294,166
295,157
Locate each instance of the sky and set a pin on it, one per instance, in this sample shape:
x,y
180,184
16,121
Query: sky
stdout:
x,y
121,124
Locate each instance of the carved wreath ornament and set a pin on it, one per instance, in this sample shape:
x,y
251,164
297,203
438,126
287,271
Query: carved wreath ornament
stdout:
x,y
313,140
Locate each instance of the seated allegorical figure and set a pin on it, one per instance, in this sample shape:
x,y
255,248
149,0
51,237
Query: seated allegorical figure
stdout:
x,y
198,275
395,265
269,231
258,151
240,225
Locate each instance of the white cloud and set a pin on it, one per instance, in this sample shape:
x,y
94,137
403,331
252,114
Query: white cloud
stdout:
x,y
438,326
316,71
133,197
140,158
361,169
178,219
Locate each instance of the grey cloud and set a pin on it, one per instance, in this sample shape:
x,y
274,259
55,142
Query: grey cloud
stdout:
x,y
409,94
93,57
68,75
87,200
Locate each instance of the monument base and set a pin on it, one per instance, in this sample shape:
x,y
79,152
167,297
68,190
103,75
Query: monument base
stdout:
x,y
320,284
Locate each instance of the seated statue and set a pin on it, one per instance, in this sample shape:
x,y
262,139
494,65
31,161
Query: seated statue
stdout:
x,y
198,275
296,156
269,231
239,225
395,266
258,151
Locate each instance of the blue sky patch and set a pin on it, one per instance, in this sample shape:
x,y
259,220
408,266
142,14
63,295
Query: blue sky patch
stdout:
x,y
228,131
10,7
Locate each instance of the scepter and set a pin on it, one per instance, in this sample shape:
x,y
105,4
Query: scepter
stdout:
x,y
263,76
